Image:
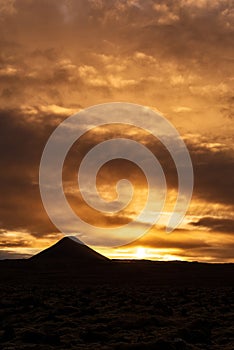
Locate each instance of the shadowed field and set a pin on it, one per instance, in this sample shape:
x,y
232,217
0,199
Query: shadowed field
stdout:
x,y
106,317
49,303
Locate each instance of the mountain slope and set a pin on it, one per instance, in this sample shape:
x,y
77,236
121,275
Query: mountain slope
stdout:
x,y
69,249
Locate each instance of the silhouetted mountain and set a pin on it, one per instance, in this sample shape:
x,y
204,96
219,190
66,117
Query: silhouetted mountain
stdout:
x,y
68,249
69,261
68,296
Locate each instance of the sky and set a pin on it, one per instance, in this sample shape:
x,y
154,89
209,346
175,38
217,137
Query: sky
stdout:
x,y
175,57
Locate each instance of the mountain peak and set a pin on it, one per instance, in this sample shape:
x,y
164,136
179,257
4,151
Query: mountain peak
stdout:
x,y
69,249
74,238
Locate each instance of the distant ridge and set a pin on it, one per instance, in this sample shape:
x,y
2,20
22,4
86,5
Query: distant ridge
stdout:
x,y
71,262
69,249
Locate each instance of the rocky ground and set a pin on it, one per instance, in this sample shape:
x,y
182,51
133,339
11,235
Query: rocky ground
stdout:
x,y
116,317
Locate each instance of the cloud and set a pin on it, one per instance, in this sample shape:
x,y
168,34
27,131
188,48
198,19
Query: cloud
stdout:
x,y
213,169
21,147
179,240
7,7
29,130
158,64
185,244
10,244
215,224
175,56
11,254
166,15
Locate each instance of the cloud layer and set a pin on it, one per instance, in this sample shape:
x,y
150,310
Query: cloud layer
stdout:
x,y
173,56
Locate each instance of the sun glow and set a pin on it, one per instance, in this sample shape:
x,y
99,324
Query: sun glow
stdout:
x,y
141,253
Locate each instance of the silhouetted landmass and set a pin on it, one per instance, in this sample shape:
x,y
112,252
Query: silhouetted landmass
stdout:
x,y
71,297
68,249
71,261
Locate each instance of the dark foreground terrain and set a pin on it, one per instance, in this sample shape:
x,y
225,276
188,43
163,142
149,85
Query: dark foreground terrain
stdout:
x,y
44,312
94,303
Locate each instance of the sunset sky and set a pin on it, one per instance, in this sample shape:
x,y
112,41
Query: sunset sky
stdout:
x,y
175,57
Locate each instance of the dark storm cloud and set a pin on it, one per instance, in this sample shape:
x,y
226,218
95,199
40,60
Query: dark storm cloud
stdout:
x,y
10,254
228,109
215,224
21,145
213,165
213,172
215,254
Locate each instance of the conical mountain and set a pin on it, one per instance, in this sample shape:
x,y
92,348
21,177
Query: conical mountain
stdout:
x,y
68,249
